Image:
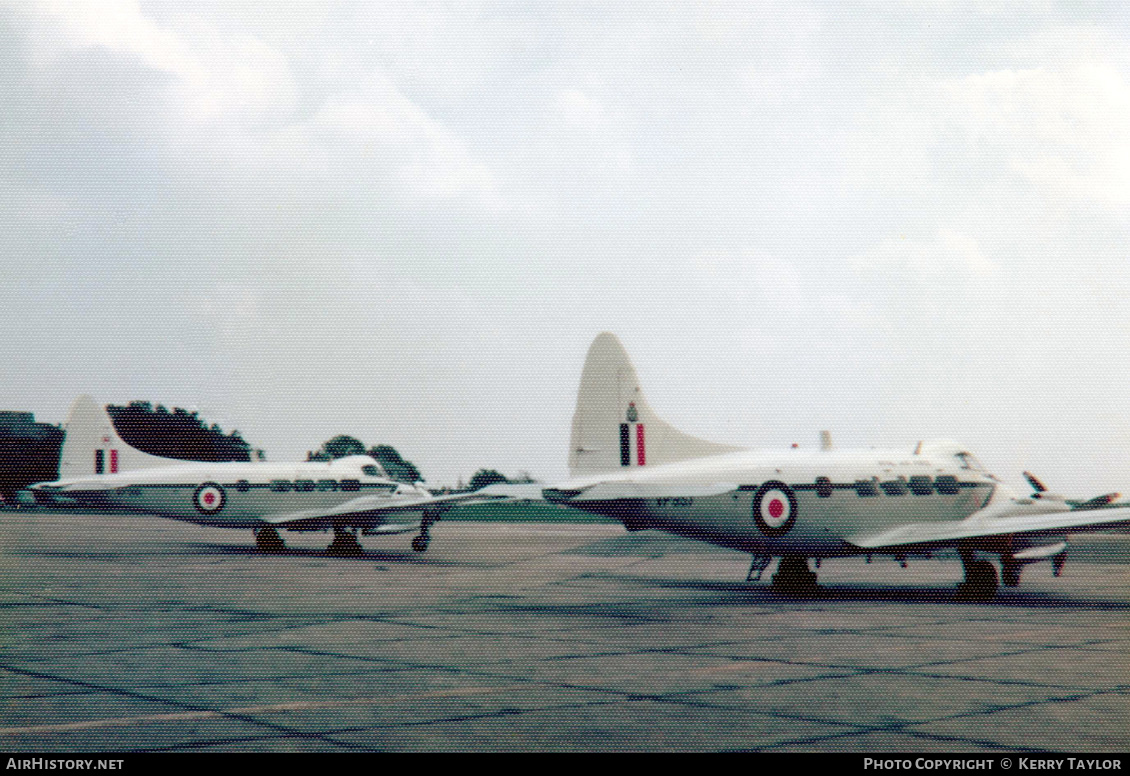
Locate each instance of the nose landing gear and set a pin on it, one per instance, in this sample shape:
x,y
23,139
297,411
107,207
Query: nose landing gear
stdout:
x,y
421,542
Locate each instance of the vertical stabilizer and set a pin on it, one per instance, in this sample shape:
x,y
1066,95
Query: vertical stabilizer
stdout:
x,y
92,446
614,429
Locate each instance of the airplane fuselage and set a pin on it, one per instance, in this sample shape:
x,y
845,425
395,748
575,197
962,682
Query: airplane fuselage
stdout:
x,y
797,501
233,495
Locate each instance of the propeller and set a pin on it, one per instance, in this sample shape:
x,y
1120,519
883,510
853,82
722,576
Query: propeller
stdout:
x,y
1035,483
1098,502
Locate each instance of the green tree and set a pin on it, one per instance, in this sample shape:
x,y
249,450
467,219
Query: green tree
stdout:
x,y
339,447
484,477
395,467
179,434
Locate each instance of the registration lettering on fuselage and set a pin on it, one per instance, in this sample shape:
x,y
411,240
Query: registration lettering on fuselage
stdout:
x,y
674,502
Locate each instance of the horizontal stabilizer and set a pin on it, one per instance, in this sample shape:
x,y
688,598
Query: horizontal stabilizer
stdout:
x,y
511,491
614,491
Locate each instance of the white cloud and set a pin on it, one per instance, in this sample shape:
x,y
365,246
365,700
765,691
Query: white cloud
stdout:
x,y
382,124
1061,129
581,112
946,255
219,76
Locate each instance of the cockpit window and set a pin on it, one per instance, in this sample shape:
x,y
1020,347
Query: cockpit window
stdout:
x,y
371,470
970,462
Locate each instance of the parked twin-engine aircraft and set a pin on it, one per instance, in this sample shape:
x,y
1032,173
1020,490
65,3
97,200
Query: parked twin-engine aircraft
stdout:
x,y
627,463
350,495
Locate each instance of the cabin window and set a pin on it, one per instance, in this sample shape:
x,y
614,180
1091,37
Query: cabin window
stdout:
x,y
894,487
946,485
866,488
280,486
823,487
327,484
920,485
303,486
243,486
351,485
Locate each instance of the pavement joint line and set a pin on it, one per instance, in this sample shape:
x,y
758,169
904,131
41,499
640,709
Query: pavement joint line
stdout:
x,y
848,735
912,668
141,696
244,713
133,696
555,708
506,712
1016,682
899,725
197,745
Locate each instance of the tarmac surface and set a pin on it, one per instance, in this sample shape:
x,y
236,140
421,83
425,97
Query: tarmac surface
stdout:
x,y
136,634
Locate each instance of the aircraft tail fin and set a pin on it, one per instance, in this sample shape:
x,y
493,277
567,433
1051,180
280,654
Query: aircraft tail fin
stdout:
x,y
614,428
92,446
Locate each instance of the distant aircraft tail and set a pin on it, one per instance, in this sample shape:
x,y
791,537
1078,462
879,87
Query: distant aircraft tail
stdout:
x,y
92,446
613,426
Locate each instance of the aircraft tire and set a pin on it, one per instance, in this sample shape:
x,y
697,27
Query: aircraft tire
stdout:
x,y
420,543
793,576
980,582
268,540
344,545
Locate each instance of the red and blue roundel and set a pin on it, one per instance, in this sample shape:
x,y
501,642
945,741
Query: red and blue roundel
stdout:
x,y
209,498
774,508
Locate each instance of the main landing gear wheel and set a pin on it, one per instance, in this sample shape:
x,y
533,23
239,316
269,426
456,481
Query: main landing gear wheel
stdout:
x,y
420,543
794,577
268,540
980,581
345,544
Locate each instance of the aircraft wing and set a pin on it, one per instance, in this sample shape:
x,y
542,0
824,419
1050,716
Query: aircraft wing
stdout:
x,y
974,527
371,511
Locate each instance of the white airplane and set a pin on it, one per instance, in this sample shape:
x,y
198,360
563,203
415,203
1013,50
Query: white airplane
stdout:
x,y
627,463
350,495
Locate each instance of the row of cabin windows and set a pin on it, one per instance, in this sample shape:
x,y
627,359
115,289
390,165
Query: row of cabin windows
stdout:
x,y
304,486
919,485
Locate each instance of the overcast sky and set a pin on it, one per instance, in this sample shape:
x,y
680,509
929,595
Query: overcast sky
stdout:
x,y
407,222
